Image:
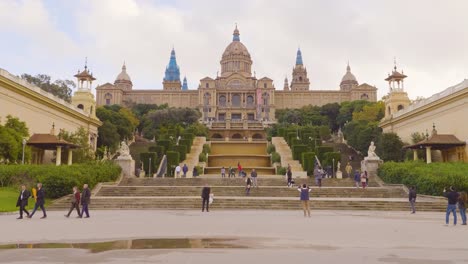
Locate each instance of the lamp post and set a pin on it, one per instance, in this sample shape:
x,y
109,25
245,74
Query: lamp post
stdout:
x,y
333,168
149,167
24,145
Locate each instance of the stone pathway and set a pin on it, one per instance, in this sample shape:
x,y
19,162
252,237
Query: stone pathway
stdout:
x,y
192,158
286,155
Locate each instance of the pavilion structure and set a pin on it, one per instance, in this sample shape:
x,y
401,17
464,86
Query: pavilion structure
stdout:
x,y
451,148
50,142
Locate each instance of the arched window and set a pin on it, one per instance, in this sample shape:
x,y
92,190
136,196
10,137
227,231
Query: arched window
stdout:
x,y
108,98
264,85
389,111
222,100
237,136
400,107
300,78
250,100
80,106
364,96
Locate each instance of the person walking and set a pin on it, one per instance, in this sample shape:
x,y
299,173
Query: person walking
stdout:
x,y
85,200
304,196
318,176
253,175
357,178
364,180
462,201
177,171
40,201
75,202
185,170
205,195
248,184
348,169
223,172
412,199
452,197
22,201
289,175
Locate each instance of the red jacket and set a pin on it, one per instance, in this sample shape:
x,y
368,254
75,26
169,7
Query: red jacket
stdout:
x,y
76,198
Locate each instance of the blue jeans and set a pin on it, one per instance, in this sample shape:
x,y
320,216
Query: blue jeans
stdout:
x,y
462,214
451,208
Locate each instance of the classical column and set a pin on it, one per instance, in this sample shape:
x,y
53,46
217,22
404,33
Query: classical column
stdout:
x,y
58,158
428,154
70,156
415,154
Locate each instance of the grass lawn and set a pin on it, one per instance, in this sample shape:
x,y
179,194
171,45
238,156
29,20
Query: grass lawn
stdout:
x,y
8,198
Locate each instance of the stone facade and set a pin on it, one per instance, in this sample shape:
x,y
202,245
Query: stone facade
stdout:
x,y
41,110
236,94
446,109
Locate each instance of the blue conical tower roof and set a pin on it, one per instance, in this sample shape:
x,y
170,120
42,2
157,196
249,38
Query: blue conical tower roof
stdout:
x,y
299,57
184,85
172,70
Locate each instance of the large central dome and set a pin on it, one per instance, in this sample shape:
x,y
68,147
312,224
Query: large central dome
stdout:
x,y
236,58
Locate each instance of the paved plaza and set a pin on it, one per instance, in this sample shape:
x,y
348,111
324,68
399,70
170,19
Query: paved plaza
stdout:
x,y
258,237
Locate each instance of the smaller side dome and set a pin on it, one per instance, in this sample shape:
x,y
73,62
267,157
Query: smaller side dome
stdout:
x,y
348,81
123,80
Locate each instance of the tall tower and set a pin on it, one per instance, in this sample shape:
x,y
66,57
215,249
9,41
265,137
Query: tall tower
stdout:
x,y
185,85
83,98
300,81
172,75
397,98
286,84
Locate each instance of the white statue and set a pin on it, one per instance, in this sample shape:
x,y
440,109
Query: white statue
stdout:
x,y
338,166
371,152
124,151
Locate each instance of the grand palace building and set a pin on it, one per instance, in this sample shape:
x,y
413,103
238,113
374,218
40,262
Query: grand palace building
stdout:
x,y
235,94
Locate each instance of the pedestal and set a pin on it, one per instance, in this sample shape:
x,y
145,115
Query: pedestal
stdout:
x,y
339,175
371,166
128,167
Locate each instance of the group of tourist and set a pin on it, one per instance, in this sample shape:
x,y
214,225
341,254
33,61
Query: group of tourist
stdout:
x,y
361,179
184,169
231,171
455,198
39,197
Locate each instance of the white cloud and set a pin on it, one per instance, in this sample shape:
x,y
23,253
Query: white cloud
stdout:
x,y
429,39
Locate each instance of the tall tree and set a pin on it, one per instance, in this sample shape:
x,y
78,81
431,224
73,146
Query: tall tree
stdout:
x,y
390,147
59,88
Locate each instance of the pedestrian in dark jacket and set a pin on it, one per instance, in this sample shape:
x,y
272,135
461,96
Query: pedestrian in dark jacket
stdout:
x,y
248,184
289,175
462,200
40,201
23,201
304,196
75,202
412,199
452,197
318,175
85,200
205,195
357,178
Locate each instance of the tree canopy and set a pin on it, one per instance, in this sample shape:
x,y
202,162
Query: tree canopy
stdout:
x,y
59,88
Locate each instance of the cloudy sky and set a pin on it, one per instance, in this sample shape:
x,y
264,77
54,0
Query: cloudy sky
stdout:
x,y
428,38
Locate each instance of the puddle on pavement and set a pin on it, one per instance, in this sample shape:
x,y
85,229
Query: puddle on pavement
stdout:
x,y
97,247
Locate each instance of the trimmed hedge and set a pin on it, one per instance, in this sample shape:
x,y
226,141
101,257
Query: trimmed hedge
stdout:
x,y
297,151
271,148
59,180
321,152
206,149
202,157
275,157
173,159
182,149
308,161
281,170
328,158
429,179
187,143
166,143
144,157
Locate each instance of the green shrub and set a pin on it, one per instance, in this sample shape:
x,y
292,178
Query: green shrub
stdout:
x,y
275,157
206,148
290,137
188,135
199,170
271,148
187,143
429,179
182,149
297,151
145,158
281,170
58,180
166,143
173,159
329,157
321,152
308,161
281,131
202,157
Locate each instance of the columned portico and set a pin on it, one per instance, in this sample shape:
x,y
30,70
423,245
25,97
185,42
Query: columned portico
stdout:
x,y
428,155
58,159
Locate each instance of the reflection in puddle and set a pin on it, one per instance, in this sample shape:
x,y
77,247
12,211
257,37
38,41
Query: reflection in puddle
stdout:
x,y
136,244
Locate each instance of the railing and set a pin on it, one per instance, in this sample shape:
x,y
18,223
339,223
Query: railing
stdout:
x,y
162,170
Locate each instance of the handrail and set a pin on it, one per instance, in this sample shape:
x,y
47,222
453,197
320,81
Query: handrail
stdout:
x,y
162,170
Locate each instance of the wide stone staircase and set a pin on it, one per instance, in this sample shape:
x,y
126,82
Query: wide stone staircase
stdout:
x,y
192,157
229,193
284,151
